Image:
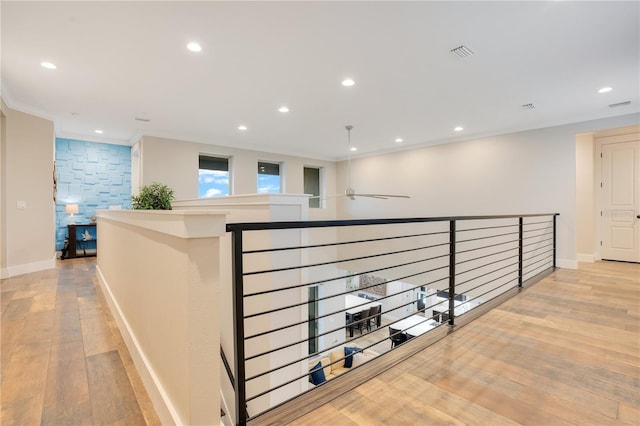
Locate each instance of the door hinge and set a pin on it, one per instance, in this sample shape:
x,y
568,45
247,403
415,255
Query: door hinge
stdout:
x,y
600,155
600,184
600,212
600,243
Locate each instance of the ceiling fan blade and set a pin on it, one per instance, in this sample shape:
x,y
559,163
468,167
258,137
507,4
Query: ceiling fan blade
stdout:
x,y
383,196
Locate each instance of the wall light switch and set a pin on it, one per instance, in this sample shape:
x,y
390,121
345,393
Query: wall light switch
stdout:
x,y
22,205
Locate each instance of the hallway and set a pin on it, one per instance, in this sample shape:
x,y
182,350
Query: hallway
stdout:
x,y
564,351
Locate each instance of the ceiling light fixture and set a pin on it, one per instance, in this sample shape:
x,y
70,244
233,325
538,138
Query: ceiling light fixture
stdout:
x,y
283,109
347,82
398,140
194,47
353,149
242,127
605,90
48,65
99,131
458,129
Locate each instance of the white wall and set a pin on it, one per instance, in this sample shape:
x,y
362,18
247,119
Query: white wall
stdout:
x,y
585,198
27,165
527,172
175,163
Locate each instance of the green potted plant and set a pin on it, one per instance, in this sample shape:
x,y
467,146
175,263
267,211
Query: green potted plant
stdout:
x,y
156,196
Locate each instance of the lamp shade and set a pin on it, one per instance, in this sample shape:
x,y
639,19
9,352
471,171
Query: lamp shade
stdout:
x,y
71,209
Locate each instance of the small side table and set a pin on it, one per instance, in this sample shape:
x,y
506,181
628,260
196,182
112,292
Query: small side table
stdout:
x,y
77,241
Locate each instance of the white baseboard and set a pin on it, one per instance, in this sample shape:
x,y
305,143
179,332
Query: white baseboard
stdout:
x,y
567,263
159,397
27,268
589,258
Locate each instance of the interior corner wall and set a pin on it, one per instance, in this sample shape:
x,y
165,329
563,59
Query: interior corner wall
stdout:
x,y
517,173
175,163
3,192
28,193
585,199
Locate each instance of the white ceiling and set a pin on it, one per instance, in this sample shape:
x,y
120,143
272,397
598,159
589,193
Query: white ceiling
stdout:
x,y
121,60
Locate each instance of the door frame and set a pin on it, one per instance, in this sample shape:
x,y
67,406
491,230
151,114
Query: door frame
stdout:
x,y
606,137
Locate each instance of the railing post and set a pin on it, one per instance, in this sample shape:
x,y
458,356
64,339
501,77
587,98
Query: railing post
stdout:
x,y
520,239
238,326
554,241
452,270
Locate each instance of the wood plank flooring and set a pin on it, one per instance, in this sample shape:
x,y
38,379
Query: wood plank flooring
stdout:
x,y
63,360
564,351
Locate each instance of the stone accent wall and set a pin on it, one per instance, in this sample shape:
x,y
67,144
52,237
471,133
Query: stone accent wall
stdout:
x,y
92,175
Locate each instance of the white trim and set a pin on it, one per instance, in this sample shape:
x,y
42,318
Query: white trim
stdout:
x,y
567,263
27,268
161,401
588,258
177,223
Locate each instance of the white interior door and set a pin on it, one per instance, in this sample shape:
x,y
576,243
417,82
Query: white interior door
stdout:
x,y
621,201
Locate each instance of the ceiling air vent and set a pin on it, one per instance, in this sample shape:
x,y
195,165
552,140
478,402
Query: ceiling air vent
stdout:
x,y
462,51
528,106
144,120
619,104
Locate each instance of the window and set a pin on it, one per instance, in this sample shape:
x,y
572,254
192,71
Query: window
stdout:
x,y
268,177
312,185
213,176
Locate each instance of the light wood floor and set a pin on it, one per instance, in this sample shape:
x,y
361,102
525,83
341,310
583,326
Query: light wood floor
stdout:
x,y
564,351
63,361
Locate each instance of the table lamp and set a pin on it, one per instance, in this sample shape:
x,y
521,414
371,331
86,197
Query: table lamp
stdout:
x,y
71,209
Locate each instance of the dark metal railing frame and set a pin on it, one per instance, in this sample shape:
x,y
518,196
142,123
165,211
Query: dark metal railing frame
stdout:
x,y
237,229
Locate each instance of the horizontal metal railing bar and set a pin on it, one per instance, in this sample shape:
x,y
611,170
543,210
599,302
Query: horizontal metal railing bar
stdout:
x,y
538,261
537,254
491,280
488,227
535,229
485,274
314,265
398,307
326,332
538,242
538,268
331,297
256,376
489,291
528,237
344,243
486,238
346,276
486,247
260,226
487,255
485,264
537,223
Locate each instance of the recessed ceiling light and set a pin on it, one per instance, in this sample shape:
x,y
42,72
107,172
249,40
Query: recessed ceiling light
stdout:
x,y
194,47
283,109
353,148
458,129
242,127
605,90
48,65
398,140
99,131
347,82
